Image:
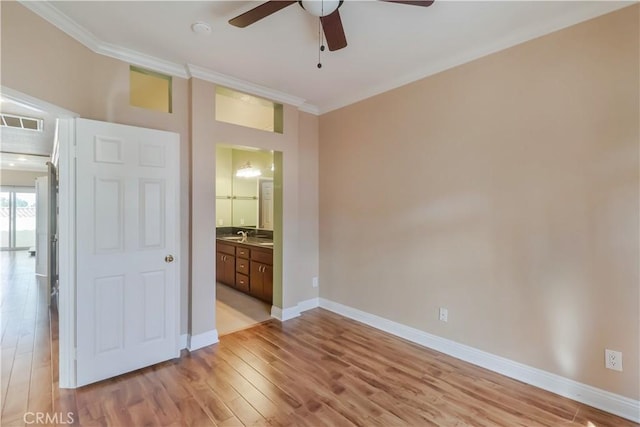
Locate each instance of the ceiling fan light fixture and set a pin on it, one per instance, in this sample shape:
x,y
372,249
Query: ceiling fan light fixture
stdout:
x,y
320,7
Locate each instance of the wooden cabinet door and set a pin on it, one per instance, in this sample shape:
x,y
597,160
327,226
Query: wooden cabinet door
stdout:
x,y
230,270
262,281
256,279
267,284
219,267
225,269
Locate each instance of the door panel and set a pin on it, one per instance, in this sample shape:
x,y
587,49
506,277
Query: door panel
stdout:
x,y
152,198
127,214
108,222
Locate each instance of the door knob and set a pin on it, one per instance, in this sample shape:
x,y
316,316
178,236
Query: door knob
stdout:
x,y
168,258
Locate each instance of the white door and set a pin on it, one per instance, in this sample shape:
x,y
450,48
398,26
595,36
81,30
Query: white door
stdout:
x,y
127,227
42,226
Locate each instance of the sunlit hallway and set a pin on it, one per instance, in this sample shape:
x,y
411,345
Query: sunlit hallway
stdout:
x,y
26,345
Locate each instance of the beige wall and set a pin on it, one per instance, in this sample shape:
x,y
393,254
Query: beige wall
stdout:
x,y
41,61
19,178
507,190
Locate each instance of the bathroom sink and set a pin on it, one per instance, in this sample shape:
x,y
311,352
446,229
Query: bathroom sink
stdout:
x,y
266,243
232,238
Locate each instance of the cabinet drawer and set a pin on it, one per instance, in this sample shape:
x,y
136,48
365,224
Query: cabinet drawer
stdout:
x,y
226,249
243,252
265,257
242,266
242,282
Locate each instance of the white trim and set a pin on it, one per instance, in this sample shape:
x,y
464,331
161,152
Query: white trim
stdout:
x,y
142,60
35,103
67,254
61,21
51,14
206,74
202,340
309,108
284,314
512,39
184,339
58,19
291,312
598,398
308,304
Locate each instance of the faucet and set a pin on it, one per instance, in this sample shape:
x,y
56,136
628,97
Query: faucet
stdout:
x,y
244,234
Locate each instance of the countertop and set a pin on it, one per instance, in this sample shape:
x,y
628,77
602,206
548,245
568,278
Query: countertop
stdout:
x,y
251,241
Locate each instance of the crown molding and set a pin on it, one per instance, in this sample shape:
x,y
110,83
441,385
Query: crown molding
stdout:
x,y
309,108
58,19
51,14
540,29
142,60
206,74
36,104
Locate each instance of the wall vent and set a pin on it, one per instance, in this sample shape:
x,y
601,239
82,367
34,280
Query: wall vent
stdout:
x,y
21,122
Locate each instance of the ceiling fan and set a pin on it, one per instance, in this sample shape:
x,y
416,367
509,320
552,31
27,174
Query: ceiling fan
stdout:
x,y
326,10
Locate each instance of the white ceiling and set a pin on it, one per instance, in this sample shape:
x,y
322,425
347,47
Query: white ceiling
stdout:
x,y
23,162
388,44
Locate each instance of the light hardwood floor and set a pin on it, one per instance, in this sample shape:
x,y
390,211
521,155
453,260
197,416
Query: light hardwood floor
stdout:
x,y
316,370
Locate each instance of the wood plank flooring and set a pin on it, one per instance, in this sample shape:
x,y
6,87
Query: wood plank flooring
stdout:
x,y
320,369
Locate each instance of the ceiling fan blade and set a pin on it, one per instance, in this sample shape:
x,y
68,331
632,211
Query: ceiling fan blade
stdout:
x,y
333,31
424,3
259,12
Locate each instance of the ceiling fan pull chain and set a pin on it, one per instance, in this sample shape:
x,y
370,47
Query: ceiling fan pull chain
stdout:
x,y
320,42
320,33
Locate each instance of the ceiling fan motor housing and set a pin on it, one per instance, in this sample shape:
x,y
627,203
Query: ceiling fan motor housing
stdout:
x,y
320,7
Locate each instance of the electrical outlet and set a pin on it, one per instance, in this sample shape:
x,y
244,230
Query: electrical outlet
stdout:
x,y
444,314
613,360
220,221
314,282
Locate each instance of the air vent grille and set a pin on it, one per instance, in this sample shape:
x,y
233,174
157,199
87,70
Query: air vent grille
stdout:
x,y
21,122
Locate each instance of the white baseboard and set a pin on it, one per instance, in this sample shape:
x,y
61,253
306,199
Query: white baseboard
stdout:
x,y
308,304
589,395
291,312
202,340
284,314
183,341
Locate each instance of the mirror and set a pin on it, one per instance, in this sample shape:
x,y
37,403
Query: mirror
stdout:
x,y
245,198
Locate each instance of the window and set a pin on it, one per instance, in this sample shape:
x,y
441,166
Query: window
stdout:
x,y
150,90
17,218
20,122
247,110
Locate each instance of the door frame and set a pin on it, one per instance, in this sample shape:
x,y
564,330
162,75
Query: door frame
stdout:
x,y
67,253
64,139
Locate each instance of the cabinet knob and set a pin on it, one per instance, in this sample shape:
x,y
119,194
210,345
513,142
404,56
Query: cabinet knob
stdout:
x,y
168,259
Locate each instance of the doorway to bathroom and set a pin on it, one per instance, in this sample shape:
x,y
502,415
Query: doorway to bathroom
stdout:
x,y
244,236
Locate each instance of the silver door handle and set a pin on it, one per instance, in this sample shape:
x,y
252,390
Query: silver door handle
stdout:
x,y
168,258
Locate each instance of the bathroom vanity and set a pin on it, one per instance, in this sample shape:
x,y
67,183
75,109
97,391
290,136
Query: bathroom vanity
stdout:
x,y
246,264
